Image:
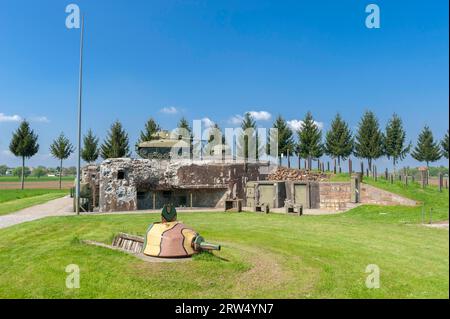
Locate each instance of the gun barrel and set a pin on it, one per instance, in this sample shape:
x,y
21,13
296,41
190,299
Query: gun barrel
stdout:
x,y
209,246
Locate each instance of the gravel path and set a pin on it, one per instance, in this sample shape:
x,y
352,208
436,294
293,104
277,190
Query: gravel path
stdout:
x,y
442,224
57,207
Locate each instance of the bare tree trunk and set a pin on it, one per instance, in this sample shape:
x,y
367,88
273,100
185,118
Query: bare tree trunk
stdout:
x,y
393,162
60,174
23,172
289,159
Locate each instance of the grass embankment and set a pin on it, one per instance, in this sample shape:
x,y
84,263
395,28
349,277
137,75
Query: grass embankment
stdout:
x,y
263,256
12,200
433,204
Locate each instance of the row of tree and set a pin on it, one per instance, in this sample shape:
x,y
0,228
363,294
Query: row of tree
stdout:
x,y
369,142
39,171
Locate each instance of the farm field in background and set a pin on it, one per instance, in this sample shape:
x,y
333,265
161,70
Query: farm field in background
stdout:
x,y
45,182
12,200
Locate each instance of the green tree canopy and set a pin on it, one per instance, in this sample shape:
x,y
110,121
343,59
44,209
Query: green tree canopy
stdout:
x,y
184,132
24,144
426,150
444,145
61,148
339,140
394,141
215,138
90,151
184,124
18,171
309,140
247,141
3,169
148,134
116,144
369,139
285,137
39,171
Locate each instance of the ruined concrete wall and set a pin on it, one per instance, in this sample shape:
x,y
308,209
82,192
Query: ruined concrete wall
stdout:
x,y
90,173
334,195
122,179
377,196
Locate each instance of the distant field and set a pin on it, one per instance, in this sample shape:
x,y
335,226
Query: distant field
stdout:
x,y
35,179
13,182
12,200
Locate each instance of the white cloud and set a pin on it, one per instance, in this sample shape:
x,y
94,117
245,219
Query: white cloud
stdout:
x,y
18,118
260,115
40,119
10,118
296,125
236,120
256,115
7,153
169,110
207,122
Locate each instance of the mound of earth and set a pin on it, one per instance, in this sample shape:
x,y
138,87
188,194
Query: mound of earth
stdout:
x,y
291,174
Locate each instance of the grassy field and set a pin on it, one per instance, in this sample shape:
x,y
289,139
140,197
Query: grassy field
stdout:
x,y
263,256
435,205
13,182
12,200
35,179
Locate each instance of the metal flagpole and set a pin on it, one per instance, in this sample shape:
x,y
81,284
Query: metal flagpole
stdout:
x,y
80,87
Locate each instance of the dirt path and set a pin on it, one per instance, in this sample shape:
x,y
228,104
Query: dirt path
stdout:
x,y
441,224
57,207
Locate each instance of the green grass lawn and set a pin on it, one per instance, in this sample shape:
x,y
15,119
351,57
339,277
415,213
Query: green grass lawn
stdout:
x,y
12,200
35,179
262,256
435,204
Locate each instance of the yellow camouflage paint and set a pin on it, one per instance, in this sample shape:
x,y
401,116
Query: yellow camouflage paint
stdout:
x,y
154,237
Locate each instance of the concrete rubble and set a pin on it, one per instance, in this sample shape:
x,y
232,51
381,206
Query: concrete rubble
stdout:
x,y
291,174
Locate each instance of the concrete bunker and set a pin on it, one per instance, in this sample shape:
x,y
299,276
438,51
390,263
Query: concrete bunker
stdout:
x,y
276,194
126,184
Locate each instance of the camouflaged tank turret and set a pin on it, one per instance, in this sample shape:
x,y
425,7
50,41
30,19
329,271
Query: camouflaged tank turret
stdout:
x,y
161,146
171,238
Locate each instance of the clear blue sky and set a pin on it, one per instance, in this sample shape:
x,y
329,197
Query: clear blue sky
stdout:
x,y
219,59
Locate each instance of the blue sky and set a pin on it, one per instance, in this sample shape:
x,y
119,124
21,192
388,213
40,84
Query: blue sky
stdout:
x,y
219,59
